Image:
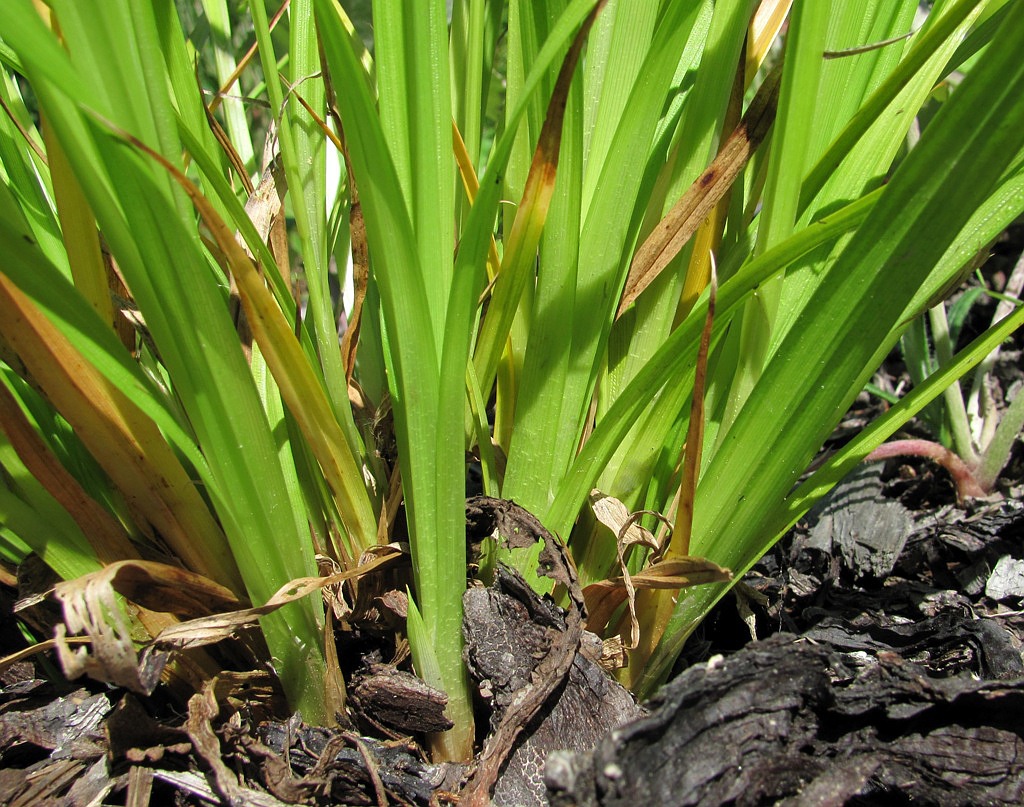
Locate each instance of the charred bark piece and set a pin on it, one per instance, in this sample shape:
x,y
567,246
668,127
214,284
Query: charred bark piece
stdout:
x,y
515,527
861,528
510,631
399,701
333,769
792,723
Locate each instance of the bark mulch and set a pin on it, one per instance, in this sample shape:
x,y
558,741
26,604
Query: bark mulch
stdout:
x,y
873,657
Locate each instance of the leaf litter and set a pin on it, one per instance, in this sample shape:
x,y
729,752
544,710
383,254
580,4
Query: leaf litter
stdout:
x,y
229,749
901,649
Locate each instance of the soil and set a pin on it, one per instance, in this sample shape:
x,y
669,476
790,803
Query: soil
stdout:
x,y
873,657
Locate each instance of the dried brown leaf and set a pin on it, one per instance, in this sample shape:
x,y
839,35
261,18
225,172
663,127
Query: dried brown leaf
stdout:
x,y
682,221
211,629
90,606
202,709
605,597
265,202
616,517
681,573
165,588
628,531
613,654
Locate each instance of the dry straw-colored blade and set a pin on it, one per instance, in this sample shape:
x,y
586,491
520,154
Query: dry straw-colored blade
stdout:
x,y
675,230
125,442
105,535
764,28
216,628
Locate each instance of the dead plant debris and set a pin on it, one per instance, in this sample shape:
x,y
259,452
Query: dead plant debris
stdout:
x,y
902,673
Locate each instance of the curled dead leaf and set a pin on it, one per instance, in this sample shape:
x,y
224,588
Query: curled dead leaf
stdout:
x,y
165,588
613,654
680,572
91,606
216,628
628,532
624,525
202,710
605,597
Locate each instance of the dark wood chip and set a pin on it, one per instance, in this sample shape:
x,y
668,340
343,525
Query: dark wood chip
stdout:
x,y
786,721
400,701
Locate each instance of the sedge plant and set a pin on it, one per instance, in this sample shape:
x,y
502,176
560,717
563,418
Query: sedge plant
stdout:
x,y
528,198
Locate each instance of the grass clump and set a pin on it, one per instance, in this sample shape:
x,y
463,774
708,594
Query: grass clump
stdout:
x,y
175,387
